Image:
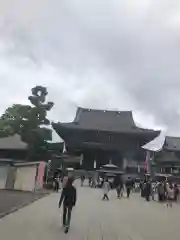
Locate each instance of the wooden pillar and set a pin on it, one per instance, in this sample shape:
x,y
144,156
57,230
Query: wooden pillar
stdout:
x,y
95,164
124,164
88,160
81,159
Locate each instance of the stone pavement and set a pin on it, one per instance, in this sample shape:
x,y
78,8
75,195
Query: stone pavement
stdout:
x,y
92,219
11,200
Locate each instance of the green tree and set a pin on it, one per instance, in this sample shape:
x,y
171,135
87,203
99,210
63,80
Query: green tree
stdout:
x,y
14,118
29,120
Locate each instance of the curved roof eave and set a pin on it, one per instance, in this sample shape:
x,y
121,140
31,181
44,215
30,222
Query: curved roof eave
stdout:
x,y
61,128
105,121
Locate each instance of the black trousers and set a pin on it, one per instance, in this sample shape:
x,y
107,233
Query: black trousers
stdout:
x,y
105,197
56,186
67,215
147,197
160,197
128,190
118,190
142,193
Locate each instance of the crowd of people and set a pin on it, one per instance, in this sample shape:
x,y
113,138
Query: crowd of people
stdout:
x,y
59,182
162,191
68,194
106,185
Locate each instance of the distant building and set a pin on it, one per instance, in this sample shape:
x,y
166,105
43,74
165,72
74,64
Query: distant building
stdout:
x,y
13,147
104,137
167,159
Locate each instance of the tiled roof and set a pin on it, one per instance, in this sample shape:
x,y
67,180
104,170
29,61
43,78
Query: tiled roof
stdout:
x,y
56,147
172,143
166,156
103,120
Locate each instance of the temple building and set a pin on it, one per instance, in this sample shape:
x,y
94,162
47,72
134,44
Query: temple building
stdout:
x,y
13,148
103,137
167,159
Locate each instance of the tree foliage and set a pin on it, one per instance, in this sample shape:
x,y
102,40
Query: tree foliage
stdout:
x,y
28,120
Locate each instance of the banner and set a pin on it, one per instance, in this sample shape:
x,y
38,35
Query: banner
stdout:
x,y
64,148
147,162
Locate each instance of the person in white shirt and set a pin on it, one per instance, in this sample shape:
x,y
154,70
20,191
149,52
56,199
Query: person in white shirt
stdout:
x,y
106,188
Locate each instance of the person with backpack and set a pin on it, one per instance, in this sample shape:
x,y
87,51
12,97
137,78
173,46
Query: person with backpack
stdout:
x,y
68,198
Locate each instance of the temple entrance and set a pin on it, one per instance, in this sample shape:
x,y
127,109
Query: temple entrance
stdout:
x,y
101,158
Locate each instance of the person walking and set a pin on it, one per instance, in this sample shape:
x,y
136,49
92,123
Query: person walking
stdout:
x,y
148,190
56,180
68,198
106,189
90,180
161,192
176,192
118,184
94,182
153,190
118,190
170,194
141,186
128,186
82,180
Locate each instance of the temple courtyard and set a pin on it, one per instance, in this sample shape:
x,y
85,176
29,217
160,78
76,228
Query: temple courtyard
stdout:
x,y
125,219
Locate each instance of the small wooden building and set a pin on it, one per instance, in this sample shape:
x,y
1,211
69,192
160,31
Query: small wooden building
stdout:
x,y
23,176
13,147
29,176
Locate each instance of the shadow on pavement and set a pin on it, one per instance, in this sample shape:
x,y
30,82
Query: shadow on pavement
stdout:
x,y
11,201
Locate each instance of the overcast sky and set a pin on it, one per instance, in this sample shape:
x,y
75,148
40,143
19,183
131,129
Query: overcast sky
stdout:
x,y
108,54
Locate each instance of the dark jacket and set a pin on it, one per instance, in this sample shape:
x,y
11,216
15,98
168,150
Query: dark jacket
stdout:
x,y
68,196
118,182
129,183
148,188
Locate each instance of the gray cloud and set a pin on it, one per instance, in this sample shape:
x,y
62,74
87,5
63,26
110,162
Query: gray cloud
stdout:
x,y
101,54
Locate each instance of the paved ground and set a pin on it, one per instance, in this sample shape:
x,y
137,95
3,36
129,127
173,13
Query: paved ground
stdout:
x,y
12,200
124,219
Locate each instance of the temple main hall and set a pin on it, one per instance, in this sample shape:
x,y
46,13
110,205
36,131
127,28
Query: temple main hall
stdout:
x,y
104,136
